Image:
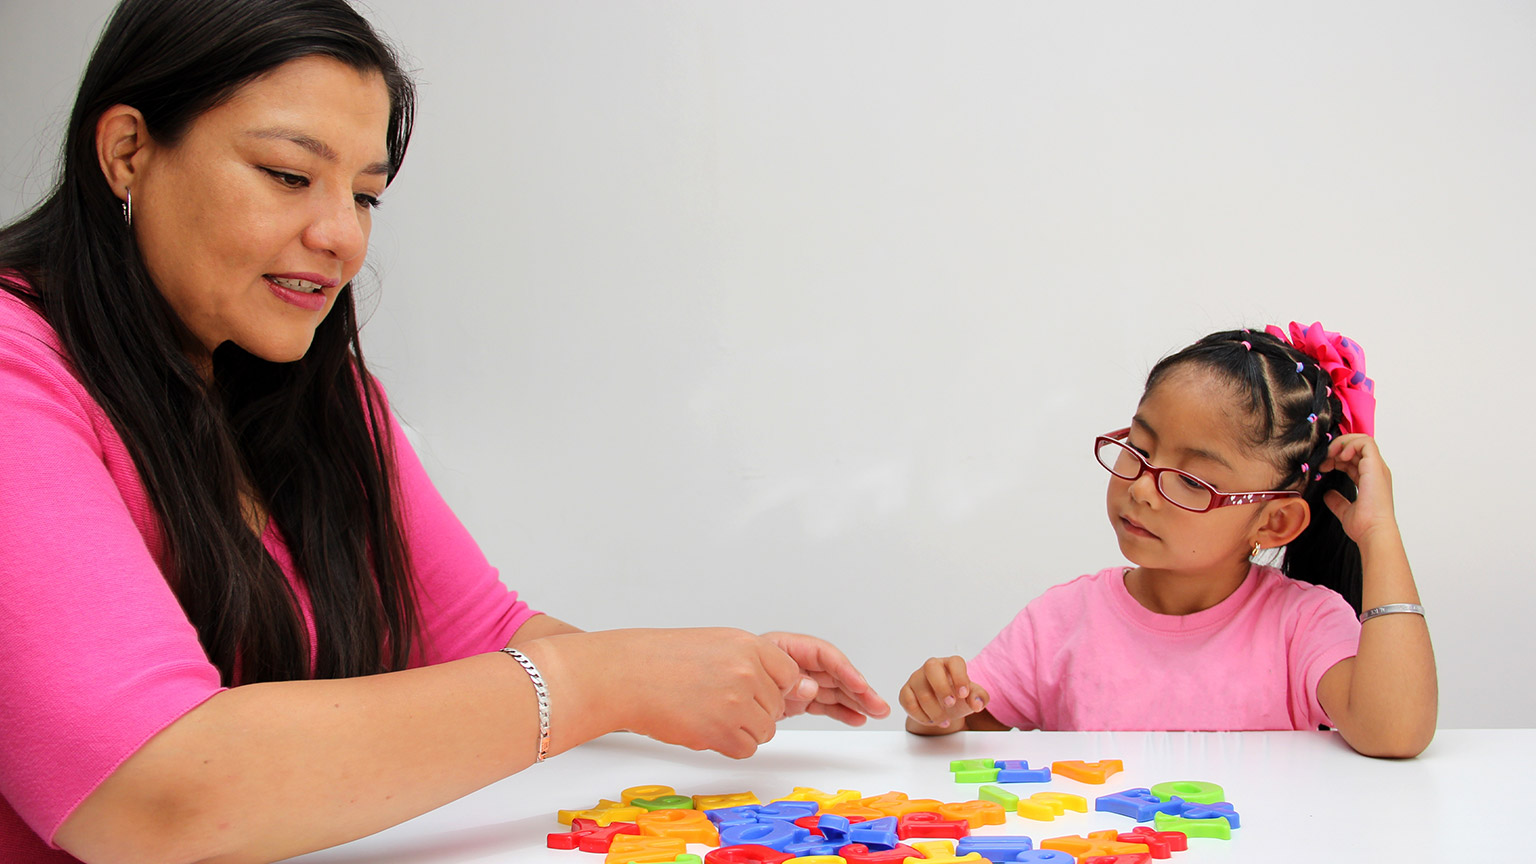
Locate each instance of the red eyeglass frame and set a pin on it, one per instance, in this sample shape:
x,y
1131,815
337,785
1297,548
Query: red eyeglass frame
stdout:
x,y
1218,497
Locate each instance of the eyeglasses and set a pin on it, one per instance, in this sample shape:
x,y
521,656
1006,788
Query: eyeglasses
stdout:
x,y
1182,490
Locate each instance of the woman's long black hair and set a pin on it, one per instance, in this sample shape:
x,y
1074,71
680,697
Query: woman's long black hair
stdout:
x,y
309,439
1294,418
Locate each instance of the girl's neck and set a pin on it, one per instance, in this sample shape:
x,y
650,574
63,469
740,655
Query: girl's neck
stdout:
x,y
1183,592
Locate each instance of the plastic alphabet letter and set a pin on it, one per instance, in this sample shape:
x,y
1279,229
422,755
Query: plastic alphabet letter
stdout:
x,y
787,810
1217,828
924,825
1162,844
995,847
858,853
1088,772
825,799
1219,810
629,849
975,813
629,795
998,795
1139,804
716,802
690,826
1096,843
1193,791
746,854
776,834
1018,771
876,833
588,836
1046,806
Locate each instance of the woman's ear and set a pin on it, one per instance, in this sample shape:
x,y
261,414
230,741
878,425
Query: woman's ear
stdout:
x,y
122,139
1283,521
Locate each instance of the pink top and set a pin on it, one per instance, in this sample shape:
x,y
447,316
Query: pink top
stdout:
x,y
96,655
1087,656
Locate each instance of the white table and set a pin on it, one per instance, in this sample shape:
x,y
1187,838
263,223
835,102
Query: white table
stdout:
x,y
1301,796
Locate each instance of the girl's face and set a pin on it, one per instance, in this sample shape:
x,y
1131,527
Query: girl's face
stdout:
x,y
254,221
1189,421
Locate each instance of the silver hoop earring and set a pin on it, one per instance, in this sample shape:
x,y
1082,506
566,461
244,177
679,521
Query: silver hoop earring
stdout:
x,y
128,208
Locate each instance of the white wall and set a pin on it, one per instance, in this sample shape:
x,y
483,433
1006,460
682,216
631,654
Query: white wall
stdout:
x,y
803,314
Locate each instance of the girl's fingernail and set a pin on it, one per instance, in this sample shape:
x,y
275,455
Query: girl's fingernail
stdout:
x,y
948,701
944,725
964,692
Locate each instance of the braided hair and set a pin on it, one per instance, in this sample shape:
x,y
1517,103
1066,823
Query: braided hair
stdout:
x,y
1293,418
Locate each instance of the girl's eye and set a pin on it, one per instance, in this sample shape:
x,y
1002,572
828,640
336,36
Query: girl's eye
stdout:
x,y
292,181
1190,482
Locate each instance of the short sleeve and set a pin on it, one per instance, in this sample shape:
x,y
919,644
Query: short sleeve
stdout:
x,y
96,655
465,608
1005,667
1327,631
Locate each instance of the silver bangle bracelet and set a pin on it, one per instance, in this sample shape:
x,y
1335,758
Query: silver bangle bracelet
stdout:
x,y
539,690
1391,608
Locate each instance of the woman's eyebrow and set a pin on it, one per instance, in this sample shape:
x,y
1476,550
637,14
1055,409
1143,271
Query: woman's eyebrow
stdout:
x,y
315,146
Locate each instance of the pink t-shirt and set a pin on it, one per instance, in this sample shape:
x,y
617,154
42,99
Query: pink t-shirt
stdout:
x,y
96,655
1087,656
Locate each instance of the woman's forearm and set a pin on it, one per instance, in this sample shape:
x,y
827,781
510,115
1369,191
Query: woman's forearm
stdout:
x,y
268,771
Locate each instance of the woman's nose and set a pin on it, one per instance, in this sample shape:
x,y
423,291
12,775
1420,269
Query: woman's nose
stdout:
x,y
339,229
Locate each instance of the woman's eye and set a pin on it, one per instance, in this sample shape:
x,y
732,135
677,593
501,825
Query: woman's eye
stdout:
x,y
367,202
292,181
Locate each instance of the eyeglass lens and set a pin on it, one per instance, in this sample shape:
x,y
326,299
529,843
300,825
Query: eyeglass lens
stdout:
x,y
1179,488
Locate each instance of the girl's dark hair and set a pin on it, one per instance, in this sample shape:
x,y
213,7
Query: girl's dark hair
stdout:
x,y
309,440
1294,417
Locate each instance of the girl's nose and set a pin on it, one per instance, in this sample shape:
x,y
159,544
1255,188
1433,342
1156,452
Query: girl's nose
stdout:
x,y
1144,489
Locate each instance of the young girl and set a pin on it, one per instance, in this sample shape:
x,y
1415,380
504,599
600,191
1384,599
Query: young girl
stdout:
x,y
1243,442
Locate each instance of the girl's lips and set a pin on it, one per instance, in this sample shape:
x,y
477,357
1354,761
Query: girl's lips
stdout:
x,y
1134,527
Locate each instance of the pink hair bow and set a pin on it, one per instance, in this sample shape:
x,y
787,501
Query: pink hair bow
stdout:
x,y
1344,361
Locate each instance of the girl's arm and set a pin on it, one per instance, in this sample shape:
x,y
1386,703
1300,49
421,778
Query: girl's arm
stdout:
x,y
1385,699
268,771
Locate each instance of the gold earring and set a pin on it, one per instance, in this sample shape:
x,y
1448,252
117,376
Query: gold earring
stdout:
x,y
1255,552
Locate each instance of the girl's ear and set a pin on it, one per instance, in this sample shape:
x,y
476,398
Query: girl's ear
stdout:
x,y
121,143
1283,521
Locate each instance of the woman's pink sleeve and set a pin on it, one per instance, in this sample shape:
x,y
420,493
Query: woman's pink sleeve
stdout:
x,y
96,656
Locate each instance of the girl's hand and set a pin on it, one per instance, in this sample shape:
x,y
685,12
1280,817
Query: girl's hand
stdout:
x,y
1371,511
941,692
839,691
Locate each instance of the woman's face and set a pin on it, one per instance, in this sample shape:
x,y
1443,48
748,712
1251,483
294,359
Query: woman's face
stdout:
x,y
254,221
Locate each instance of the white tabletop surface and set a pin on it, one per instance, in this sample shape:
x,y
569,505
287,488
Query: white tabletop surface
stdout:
x,y
1301,796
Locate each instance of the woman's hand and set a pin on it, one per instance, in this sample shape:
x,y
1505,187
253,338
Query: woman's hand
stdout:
x,y
939,694
836,689
703,688
1372,511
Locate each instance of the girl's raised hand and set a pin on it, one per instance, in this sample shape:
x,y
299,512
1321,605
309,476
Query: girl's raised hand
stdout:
x,y
1372,510
941,693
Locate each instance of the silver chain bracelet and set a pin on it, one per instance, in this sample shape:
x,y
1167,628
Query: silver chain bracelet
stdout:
x,y
539,690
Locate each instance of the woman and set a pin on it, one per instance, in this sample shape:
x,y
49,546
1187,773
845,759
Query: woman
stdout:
x,y
237,621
